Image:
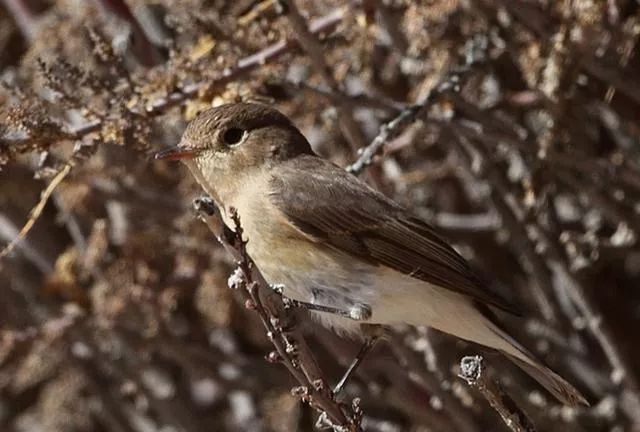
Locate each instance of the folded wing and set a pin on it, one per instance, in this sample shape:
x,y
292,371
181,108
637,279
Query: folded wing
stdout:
x,y
335,207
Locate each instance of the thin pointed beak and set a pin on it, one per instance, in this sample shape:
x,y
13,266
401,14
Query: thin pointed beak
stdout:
x,y
177,153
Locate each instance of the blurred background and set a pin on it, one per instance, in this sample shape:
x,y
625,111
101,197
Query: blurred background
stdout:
x,y
115,313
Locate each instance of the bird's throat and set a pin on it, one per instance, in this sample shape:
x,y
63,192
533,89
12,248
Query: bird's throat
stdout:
x,y
205,184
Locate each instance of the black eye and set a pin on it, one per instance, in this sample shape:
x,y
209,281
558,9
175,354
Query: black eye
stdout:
x,y
232,136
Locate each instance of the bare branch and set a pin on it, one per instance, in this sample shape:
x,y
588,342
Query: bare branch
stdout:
x,y
37,210
407,116
472,370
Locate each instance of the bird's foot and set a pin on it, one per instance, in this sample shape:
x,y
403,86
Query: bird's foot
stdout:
x,y
277,288
204,204
360,312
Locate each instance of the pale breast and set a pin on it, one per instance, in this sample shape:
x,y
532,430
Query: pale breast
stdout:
x,y
311,271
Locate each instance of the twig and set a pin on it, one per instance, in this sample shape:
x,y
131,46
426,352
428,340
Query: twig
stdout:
x,y
522,246
627,51
290,345
374,102
387,132
472,371
449,83
37,210
466,223
539,25
393,26
9,231
408,116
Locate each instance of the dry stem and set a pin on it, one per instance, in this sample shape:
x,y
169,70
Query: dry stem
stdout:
x,y
37,210
472,371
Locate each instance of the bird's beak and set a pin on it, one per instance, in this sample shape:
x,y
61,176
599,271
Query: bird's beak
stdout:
x,y
177,153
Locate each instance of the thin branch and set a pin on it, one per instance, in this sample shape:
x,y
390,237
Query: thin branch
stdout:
x,y
393,26
466,223
9,232
146,52
521,244
627,51
37,210
539,25
406,117
433,382
374,102
388,131
472,371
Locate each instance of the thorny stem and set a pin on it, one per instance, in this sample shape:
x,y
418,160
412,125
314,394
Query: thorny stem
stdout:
x,y
285,336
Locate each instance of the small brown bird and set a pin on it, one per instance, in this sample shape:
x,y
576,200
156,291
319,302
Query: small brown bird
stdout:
x,y
332,241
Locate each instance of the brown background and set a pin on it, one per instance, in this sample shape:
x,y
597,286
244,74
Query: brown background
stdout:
x,y
114,310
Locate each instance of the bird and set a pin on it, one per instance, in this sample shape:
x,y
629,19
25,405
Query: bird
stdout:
x,y
333,242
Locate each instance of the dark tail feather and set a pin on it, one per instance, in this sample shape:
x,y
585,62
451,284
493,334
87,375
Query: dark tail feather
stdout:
x,y
554,383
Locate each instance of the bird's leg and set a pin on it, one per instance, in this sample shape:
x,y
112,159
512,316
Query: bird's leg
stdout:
x,y
364,350
357,312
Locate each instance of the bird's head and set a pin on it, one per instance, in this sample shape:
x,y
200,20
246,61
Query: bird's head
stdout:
x,y
223,145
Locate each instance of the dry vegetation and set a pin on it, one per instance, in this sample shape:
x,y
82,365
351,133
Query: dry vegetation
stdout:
x,y
512,125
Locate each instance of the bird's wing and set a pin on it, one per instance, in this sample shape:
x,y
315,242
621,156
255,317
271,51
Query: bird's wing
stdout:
x,y
330,205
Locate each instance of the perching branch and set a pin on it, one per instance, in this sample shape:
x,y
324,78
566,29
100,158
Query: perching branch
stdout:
x,y
291,348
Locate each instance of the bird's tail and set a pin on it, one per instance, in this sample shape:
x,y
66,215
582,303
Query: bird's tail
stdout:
x,y
554,383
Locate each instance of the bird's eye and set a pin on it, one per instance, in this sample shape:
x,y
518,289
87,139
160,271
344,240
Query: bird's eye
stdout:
x,y
233,136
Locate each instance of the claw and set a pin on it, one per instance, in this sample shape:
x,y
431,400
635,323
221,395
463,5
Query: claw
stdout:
x,y
204,204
